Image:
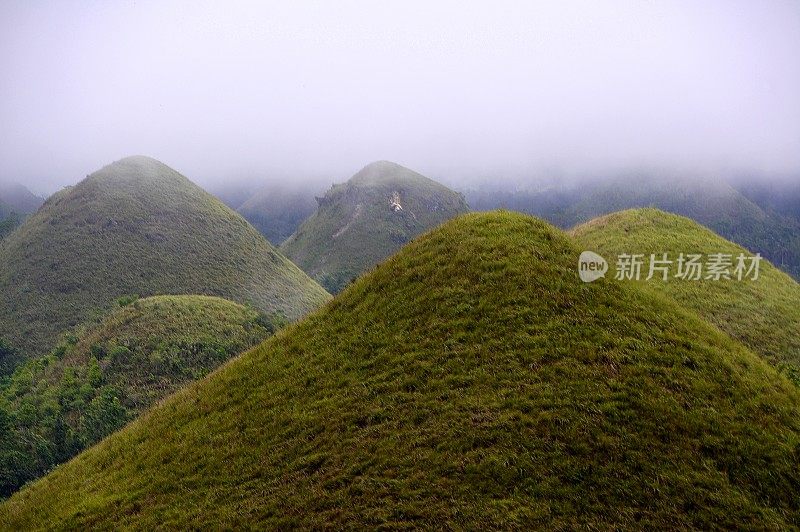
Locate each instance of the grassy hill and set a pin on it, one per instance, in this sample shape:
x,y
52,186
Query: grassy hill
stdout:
x,y
363,221
764,315
278,210
136,227
470,381
105,374
714,204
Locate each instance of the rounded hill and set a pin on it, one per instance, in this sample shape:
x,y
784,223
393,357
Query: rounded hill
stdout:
x,y
361,222
470,381
763,314
136,227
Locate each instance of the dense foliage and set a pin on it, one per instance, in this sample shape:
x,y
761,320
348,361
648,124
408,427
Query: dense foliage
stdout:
x,y
106,373
472,381
136,226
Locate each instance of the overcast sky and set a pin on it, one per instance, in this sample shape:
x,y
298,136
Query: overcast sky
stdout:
x,y
301,90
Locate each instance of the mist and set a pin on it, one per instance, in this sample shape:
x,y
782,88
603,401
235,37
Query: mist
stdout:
x,y
312,91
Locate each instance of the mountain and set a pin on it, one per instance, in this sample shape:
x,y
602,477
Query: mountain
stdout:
x,y
136,227
363,221
470,381
763,314
277,210
714,204
108,372
18,199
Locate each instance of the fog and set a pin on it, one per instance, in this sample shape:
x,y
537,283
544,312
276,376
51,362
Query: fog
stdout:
x,y
460,91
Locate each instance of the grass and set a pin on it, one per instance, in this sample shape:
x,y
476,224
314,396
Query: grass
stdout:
x,y
764,315
136,227
106,373
470,381
355,228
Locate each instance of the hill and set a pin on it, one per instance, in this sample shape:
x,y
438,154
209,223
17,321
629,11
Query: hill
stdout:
x,y
277,210
470,381
762,314
108,372
18,199
714,204
363,221
136,227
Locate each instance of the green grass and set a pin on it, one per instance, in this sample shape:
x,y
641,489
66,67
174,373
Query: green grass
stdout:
x,y
355,228
470,381
136,227
764,315
106,373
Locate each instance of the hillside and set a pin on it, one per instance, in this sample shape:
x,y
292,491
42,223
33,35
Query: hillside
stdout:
x,y
363,221
764,315
277,210
108,372
472,381
136,227
713,204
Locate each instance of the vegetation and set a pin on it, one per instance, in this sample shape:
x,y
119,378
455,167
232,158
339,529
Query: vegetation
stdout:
x,y
104,375
361,222
7,225
762,314
715,205
470,381
278,210
136,227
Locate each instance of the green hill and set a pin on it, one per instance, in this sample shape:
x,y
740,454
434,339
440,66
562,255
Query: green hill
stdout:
x,y
136,227
471,381
278,210
363,221
107,373
764,315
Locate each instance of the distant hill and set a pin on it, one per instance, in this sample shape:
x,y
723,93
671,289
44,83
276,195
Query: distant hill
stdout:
x,y
472,381
764,314
716,205
277,210
18,199
363,221
136,227
107,373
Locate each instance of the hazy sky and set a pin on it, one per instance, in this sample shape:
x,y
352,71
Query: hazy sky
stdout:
x,y
290,89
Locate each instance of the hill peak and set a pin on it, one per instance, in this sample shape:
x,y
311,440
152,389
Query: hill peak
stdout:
x,y
136,226
361,222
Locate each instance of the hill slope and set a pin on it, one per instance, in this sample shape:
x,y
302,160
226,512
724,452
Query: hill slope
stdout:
x,y
136,227
363,221
105,375
764,315
470,381
278,210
